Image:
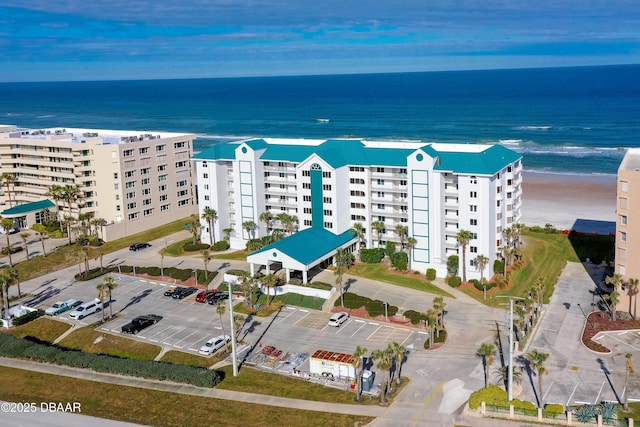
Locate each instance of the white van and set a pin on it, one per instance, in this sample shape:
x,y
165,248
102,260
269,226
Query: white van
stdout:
x,y
86,309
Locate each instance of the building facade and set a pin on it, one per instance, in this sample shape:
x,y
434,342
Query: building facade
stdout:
x,y
435,190
132,180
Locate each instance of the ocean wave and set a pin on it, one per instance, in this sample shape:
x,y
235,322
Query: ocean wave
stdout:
x,y
527,127
46,116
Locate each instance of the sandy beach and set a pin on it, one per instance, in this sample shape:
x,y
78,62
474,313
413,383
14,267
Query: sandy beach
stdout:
x,y
561,199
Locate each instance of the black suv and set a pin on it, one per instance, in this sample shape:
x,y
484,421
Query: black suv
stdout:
x,y
140,322
139,245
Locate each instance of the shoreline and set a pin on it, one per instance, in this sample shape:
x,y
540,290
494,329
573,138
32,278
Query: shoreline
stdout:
x,y
560,199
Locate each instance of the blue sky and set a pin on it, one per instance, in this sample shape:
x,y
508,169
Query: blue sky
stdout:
x,y
44,40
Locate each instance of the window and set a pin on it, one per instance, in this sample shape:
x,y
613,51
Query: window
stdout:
x,y
499,190
162,177
115,175
473,194
116,186
356,181
306,198
118,208
161,158
509,195
163,197
183,202
473,208
381,170
160,148
129,174
130,184
358,205
205,176
622,201
306,173
129,164
162,187
358,218
307,222
131,205
473,249
146,191
381,206
182,183
206,197
181,164
148,212
307,210
622,253
326,174
117,197
182,155
162,168
131,195
164,208
146,181
473,221
127,153
403,182
473,180
381,194
381,182
143,150
623,219
624,186
623,236
328,225
179,144
146,202
357,193
356,169
133,216
306,185
326,187
182,193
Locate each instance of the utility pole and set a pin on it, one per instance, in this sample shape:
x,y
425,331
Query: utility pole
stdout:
x,y
234,359
510,372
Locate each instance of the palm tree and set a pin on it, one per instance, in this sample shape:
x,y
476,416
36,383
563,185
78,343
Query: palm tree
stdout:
x,y
430,323
628,371
439,306
357,365
55,192
68,221
481,262
614,299
227,233
537,360
633,295
411,242
266,217
210,215
14,274
502,375
384,362
378,226
5,283
248,226
8,179
270,281
486,352
41,232
292,224
401,231
105,288
206,258
398,352
343,261
360,230
285,220
70,194
540,287
463,238
194,227
616,281
221,309
7,224
25,238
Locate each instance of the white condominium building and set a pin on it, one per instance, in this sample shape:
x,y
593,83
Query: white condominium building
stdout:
x,y
435,190
133,180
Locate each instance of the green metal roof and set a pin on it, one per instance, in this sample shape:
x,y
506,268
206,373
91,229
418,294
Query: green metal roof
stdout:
x,y
29,207
342,152
486,162
310,244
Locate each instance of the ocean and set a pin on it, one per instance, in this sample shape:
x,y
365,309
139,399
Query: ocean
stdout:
x,y
570,120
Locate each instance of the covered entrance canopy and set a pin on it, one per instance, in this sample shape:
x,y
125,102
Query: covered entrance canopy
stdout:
x,y
26,214
303,250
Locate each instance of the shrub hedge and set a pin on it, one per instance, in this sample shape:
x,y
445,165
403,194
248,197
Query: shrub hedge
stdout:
x,y
414,316
295,281
373,307
321,285
478,285
431,274
494,395
25,318
372,256
190,247
389,248
498,266
221,245
399,260
454,281
14,347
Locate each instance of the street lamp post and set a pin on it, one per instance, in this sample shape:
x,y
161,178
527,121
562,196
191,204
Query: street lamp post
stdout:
x,y
386,317
510,372
234,359
195,274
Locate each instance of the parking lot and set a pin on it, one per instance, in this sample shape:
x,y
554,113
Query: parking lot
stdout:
x,y
186,324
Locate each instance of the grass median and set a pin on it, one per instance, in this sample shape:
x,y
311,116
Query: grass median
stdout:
x,y
381,272
158,408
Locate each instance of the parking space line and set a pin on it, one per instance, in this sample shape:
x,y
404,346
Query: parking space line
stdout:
x,y
571,395
599,393
405,340
371,323
153,340
341,328
193,349
358,330
177,346
287,316
544,396
374,332
304,311
194,332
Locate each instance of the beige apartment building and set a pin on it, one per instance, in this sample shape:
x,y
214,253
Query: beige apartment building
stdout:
x,y
133,180
628,223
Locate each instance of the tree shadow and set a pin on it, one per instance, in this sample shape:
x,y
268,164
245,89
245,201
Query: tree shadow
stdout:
x,y
136,299
607,374
42,296
259,340
525,365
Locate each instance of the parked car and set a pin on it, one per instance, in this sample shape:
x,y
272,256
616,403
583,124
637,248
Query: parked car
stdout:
x,y
140,323
203,296
183,292
214,345
84,310
338,319
139,245
169,292
221,296
59,307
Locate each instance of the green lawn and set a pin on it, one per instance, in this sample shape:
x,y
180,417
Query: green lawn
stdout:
x,y
182,358
175,249
63,256
382,273
91,341
44,328
238,255
159,408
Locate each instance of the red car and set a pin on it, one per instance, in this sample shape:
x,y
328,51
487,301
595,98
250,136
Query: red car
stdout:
x,y
203,295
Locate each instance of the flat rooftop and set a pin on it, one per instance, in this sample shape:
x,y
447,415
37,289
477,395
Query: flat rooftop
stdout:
x,y
108,136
